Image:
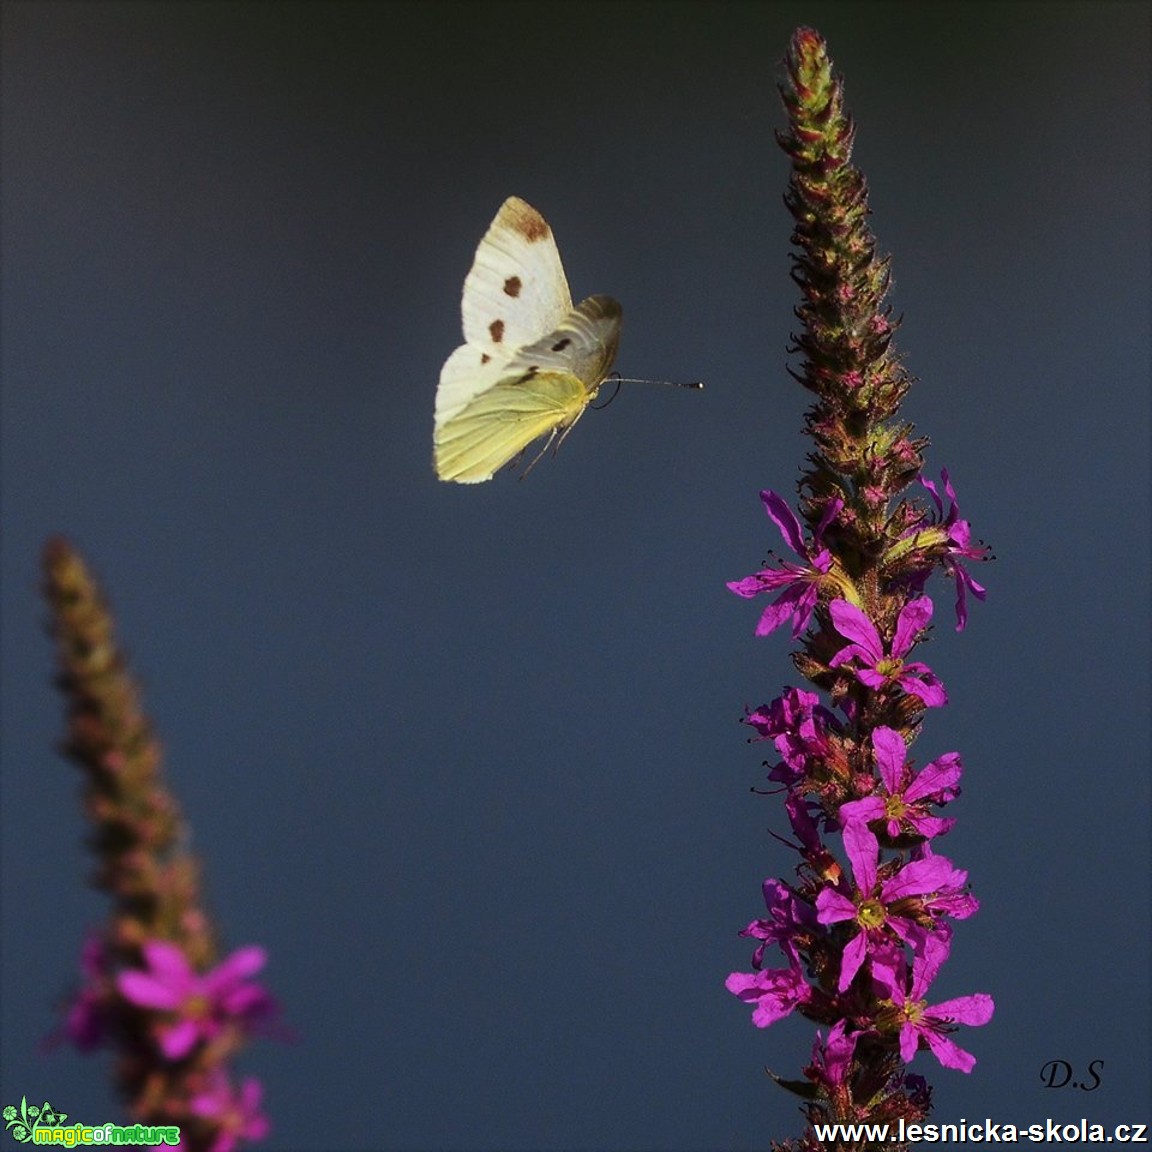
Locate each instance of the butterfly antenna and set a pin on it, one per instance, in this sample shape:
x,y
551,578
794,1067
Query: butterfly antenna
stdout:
x,y
697,384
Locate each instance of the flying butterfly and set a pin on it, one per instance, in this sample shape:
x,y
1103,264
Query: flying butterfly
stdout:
x,y
530,363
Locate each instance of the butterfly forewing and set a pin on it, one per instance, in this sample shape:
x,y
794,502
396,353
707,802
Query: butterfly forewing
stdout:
x,y
514,294
516,291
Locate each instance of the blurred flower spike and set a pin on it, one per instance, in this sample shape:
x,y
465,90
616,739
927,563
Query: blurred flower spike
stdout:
x,y
151,989
865,923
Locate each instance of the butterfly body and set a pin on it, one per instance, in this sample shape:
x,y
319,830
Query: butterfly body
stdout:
x,y
531,361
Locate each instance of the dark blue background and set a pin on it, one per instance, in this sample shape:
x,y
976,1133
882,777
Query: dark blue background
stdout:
x,y
467,760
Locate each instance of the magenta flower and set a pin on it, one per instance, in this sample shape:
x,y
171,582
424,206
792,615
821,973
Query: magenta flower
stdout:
x,y
87,1021
786,916
800,582
775,993
960,546
878,669
952,898
832,1061
873,906
921,1025
807,831
798,724
236,1115
905,807
200,1004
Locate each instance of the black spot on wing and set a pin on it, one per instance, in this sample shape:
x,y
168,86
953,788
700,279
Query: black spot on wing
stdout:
x,y
512,286
496,331
560,345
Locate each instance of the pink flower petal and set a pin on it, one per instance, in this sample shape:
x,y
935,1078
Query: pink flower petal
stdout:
x,y
853,624
147,992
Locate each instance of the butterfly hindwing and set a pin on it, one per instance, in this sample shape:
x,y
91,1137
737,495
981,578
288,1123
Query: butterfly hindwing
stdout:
x,y
583,343
499,424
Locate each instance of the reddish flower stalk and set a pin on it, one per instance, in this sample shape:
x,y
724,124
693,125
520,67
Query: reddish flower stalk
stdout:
x,y
865,924
150,991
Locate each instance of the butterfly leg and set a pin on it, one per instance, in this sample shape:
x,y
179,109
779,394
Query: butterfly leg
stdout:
x,y
562,432
547,444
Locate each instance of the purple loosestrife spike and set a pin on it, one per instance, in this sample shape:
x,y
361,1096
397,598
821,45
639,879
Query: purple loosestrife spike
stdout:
x,y
866,920
149,990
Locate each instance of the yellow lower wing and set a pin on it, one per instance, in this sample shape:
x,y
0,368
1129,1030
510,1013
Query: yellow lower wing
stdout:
x,y
502,421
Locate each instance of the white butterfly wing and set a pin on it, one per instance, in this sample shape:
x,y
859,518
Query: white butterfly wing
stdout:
x,y
514,294
466,374
516,291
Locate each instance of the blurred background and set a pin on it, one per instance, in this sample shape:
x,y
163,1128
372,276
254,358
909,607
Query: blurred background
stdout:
x,y
467,760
